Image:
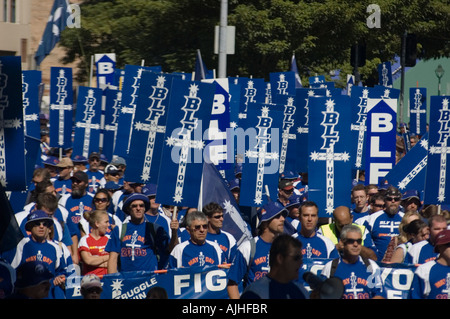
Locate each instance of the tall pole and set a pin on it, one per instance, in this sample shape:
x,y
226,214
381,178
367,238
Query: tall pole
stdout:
x,y
402,81
223,38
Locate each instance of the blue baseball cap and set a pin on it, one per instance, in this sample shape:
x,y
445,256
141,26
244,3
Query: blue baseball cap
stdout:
x,y
149,190
270,210
234,183
51,161
294,201
32,273
131,198
79,159
112,186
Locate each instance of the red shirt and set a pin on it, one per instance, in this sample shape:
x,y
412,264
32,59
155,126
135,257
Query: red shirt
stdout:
x,y
96,248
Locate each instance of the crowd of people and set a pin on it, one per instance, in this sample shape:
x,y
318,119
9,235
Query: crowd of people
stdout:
x,y
83,217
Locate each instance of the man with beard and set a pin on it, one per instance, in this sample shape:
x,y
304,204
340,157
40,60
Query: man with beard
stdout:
x,y
96,176
77,202
383,225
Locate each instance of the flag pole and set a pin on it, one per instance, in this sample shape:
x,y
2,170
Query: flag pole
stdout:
x,y
91,71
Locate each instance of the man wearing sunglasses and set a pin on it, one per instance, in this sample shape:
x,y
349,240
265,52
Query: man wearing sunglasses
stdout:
x,y
197,251
361,277
383,225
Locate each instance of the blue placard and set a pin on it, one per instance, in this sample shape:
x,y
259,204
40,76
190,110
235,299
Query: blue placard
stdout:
x,y
252,91
130,93
113,100
31,81
409,172
288,158
385,74
149,127
12,140
302,123
329,165
359,97
418,111
282,83
182,155
61,107
262,155
380,139
106,66
87,119
437,190
316,81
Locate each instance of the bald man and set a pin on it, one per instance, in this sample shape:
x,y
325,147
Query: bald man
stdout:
x,y
342,217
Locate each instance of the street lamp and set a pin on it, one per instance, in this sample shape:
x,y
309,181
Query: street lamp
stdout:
x,y
439,73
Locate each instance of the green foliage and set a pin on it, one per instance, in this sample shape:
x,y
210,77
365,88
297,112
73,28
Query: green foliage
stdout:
x,y
320,33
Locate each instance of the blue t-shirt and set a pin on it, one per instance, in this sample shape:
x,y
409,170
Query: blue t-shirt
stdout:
x,y
360,282
138,246
317,246
431,281
227,244
268,288
420,253
188,254
76,208
243,268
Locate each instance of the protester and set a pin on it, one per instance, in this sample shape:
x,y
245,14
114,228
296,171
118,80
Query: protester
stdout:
x,y
415,231
315,245
411,201
112,174
96,176
383,225
361,277
285,190
119,196
424,251
431,280
342,217
360,198
80,163
251,262
62,182
33,281
197,251
94,259
215,233
139,243
285,260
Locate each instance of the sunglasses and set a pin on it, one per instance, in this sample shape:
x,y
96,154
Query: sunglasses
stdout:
x,y
137,205
41,223
198,227
377,205
350,241
395,199
100,200
218,216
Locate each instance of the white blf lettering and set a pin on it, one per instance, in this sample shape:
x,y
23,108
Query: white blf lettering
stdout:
x,y
375,148
381,122
105,68
378,170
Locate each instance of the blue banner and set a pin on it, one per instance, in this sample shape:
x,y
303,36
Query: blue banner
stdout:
x,y
302,123
12,139
380,139
282,83
385,74
31,81
189,112
106,66
113,99
210,282
130,93
409,172
418,111
219,149
149,127
437,190
329,165
61,107
262,155
87,119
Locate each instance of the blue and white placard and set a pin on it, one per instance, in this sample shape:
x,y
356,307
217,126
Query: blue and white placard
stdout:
x,y
31,82
418,111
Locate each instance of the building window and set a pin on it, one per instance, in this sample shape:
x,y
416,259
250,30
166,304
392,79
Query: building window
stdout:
x,y
12,11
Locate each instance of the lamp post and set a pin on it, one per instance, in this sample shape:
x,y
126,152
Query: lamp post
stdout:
x,y
439,73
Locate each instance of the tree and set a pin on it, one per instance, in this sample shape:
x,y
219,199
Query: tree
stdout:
x,y
321,33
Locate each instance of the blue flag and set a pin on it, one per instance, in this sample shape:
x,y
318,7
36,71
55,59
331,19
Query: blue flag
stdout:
x,y
189,112
149,127
215,189
57,22
130,93
262,155
380,139
437,190
113,99
298,80
61,107
418,110
329,166
302,123
385,74
88,115
12,140
409,172
31,81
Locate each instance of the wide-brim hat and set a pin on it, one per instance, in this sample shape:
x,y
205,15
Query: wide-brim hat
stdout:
x,y
37,215
271,210
131,198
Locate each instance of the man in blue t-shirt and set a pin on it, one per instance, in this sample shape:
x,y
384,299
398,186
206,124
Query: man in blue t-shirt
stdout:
x,y
252,256
139,242
197,251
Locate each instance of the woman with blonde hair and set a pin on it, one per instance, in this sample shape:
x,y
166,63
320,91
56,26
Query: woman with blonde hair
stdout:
x,y
94,258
